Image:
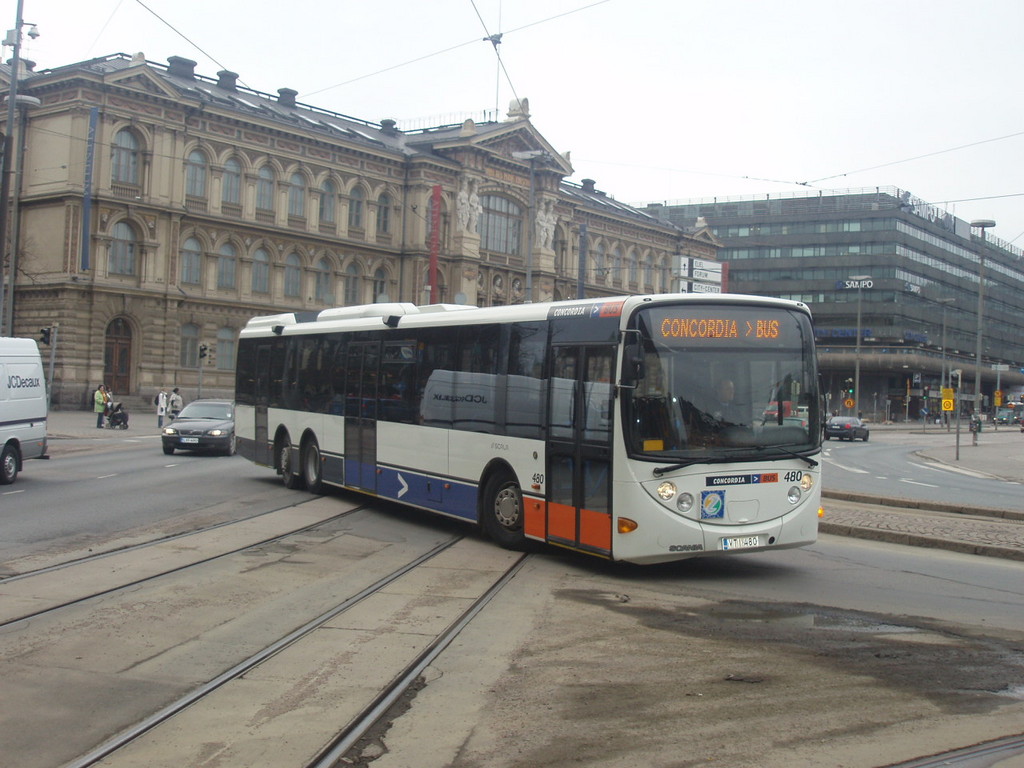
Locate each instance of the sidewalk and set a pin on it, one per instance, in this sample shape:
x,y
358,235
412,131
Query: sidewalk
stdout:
x,y
983,531
990,532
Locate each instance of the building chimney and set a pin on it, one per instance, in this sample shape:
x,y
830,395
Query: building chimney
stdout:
x,y
588,185
227,80
181,67
286,96
387,127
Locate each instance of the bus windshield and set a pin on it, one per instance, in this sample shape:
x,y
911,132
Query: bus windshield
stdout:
x,y
721,383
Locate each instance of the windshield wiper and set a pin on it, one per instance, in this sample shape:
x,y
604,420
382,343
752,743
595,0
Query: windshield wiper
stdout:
x,y
811,462
659,471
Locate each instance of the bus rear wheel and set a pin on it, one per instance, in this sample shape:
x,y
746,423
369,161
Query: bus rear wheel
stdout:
x,y
284,462
312,466
502,513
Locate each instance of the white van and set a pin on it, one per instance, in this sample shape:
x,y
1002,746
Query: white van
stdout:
x,y
22,406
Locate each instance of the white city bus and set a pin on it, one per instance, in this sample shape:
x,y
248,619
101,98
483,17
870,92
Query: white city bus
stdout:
x,y
633,428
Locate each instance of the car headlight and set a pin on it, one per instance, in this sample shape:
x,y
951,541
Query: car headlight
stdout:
x,y
794,495
217,432
170,431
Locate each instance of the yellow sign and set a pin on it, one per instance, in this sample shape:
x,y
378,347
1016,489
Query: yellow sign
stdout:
x,y
848,402
947,404
947,394
999,397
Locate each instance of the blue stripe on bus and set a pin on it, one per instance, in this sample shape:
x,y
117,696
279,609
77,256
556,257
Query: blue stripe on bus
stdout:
x,y
435,493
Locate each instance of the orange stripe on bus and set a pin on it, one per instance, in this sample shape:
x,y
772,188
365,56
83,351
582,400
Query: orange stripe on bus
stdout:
x,y
596,529
562,521
534,520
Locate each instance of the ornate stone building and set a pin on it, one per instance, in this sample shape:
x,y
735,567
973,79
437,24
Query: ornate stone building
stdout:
x,y
158,210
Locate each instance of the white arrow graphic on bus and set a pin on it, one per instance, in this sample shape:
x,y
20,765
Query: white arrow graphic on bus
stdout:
x,y
405,486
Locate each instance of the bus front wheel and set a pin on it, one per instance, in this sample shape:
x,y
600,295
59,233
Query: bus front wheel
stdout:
x,y
502,512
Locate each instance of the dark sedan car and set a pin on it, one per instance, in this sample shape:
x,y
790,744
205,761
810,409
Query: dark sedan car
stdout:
x,y
202,425
846,428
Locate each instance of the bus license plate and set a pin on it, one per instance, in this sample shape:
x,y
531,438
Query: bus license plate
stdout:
x,y
190,439
741,542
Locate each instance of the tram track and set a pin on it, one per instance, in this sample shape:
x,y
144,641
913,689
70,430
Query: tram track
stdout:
x,y
23,584
368,705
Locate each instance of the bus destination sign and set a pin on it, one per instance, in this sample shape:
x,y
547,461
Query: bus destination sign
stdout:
x,y
719,328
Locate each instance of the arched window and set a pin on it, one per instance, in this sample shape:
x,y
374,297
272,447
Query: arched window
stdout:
x,y
122,250
634,268
265,189
292,276
648,274
501,225
328,199
355,208
380,284
227,266
324,283
260,271
383,215
600,265
353,277
297,196
225,349
231,187
189,346
195,174
124,158
617,266
191,262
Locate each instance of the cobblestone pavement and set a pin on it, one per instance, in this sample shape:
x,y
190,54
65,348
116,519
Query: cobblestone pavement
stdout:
x,y
993,533
973,534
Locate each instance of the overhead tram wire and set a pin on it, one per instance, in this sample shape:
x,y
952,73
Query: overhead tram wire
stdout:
x,y
449,49
184,37
916,157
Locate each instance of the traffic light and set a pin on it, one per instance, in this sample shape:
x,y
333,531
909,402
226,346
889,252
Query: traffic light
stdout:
x,y
202,351
44,335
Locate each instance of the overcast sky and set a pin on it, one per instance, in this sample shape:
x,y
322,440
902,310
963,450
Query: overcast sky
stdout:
x,y
657,100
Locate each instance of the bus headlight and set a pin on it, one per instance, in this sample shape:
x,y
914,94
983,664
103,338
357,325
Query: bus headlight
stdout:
x,y
685,502
667,490
807,481
794,495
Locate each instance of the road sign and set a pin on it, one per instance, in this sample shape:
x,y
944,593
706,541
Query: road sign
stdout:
x,y
999,396
947,405
848,402
947,394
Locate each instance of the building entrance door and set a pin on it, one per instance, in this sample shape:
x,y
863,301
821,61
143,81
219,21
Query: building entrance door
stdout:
x,y
117,357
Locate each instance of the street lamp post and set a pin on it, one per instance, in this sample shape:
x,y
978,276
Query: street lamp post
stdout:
x,y
862,281
981,224
942,376
13,39
532,156
956,405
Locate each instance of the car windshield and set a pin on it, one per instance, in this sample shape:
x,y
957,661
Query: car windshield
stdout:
x,y
718,383
219,411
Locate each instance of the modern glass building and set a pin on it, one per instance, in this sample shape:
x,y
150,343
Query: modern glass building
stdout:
x,y
900,273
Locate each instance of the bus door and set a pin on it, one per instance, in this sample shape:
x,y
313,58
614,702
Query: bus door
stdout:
x,y
579,448
361,403
262,450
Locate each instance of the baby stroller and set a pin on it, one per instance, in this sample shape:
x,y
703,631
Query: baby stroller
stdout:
x,y
118,417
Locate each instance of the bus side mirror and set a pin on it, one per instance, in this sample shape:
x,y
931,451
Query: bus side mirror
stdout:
x,y
632,362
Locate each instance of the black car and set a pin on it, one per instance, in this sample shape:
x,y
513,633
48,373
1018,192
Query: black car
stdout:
x,y
846,428
202,425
